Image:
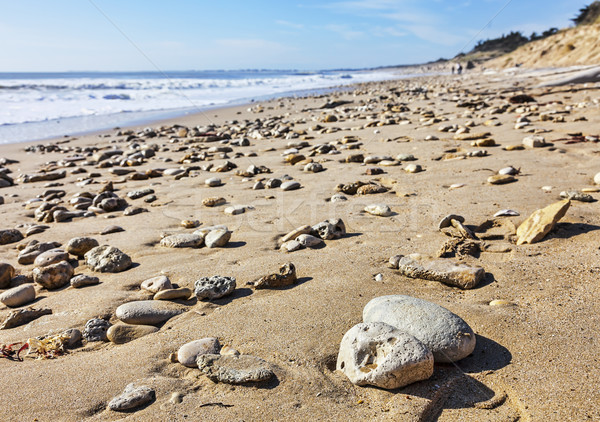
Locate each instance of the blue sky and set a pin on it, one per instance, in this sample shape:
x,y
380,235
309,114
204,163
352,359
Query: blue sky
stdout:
x,y
60,35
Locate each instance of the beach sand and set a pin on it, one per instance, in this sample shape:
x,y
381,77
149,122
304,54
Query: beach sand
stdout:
x,y
536,357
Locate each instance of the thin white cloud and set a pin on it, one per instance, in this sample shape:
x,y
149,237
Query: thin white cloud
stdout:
x,y
289,24
345,32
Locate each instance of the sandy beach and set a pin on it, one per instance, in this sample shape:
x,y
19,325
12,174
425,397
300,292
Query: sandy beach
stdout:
x,y
535,313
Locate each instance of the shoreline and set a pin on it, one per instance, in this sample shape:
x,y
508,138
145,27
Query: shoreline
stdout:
x,y
541,334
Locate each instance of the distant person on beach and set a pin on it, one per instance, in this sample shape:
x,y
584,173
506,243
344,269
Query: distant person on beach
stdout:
x,y
458,68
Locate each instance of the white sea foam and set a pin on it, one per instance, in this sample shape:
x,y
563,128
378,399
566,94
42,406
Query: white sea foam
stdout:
x,y
36,100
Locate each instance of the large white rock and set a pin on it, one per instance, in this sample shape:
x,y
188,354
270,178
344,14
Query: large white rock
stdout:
x,y
378,354
189,352
446,334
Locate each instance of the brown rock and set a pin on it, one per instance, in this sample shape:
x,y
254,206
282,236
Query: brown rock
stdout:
x,y
6,273
442,270
539,224
285,277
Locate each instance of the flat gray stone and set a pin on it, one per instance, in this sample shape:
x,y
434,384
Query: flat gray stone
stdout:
x,y
444,333
189,352
231,369
18,296
10,236
309,241
375,353
290,185
124,333
132,398
147,312
182,240
156,284
95,329
442,270
217,238
107,259
83,280
214,287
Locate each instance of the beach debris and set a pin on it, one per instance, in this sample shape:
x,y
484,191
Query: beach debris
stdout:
x,y
187,355
534,141
444,271
454,224
541,222
285,277
23,316
132,398
231,369
444,333
13,351
214,287
375,353
213,201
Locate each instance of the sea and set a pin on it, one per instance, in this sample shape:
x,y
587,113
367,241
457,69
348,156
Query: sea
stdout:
x,y
37,106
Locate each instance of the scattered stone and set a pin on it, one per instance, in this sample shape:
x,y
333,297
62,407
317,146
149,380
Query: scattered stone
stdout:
x,y
132,398
380,210
507,213
501,179
228,351
83,280
173,294
40,177
539,224
134,211
285,277
213,202
379,354
443,271
183,240
501,302
444,333
309,241
10,236
53,276
329,229
147,312
597,179
23,316
189,352
291,246
124,333
95,330
112,229
534,141
234,369
7,272
509,170
140,193
107,259
306,229
574,195
290,185
213,182
78,246
189,224
217,238
235,210
214,287
53,256
18,296
156,284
